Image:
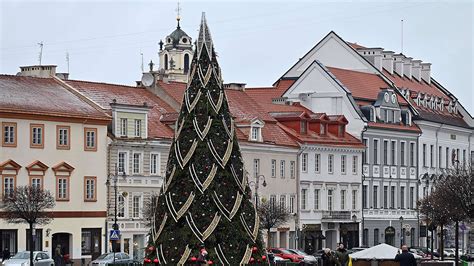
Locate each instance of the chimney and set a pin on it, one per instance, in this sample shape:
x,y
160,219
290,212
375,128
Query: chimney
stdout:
x,y
416,69
426,72
387,61
398,64
407,67
373,55
39,71
235,86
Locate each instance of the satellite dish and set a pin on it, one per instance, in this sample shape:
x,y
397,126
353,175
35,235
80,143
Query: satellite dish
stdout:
x,y
148,79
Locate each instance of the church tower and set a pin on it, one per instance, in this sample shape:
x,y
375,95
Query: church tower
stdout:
x,y
176,53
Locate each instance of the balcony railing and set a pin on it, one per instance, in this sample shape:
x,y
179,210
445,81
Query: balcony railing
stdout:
x,y
336,215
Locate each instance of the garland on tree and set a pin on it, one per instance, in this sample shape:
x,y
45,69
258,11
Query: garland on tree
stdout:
x,y
204,209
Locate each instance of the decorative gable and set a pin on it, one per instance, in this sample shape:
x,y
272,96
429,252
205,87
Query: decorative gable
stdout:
x,y
63,168
10,166
37,167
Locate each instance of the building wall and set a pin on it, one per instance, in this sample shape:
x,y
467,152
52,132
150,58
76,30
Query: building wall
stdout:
x,y
85,163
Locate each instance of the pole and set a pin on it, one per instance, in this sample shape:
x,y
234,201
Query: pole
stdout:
x,y
256,190
456,252
441,246
401,233
115,226
31,243
431,243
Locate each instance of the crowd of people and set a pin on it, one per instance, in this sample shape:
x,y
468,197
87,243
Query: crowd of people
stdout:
x,y
338,258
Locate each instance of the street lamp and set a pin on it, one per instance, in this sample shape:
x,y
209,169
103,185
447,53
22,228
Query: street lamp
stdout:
x,y
256,182
401,231
362,212
115,225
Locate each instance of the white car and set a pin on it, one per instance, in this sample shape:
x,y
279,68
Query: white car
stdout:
x,y
40,258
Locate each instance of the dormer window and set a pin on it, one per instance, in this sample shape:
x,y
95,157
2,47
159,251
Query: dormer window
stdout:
x,y
255,133
341,130
123,127
138,128
322,129
303,127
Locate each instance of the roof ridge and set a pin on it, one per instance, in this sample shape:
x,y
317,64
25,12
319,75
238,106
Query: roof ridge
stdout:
x,y
103,83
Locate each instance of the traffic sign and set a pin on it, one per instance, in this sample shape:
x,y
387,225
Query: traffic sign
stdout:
x,y
114,234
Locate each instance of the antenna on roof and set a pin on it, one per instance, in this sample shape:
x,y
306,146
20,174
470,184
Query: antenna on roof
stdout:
x,y
41,52
143,70
67,61
402,37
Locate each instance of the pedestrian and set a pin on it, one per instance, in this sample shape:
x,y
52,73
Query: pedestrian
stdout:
x,y
58,256
5,254
342,255
328,258
405,258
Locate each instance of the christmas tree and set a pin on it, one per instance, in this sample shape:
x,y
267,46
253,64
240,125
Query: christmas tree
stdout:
x,y
205,200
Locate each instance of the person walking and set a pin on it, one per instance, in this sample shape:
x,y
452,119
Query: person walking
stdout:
x,y
5,254
405,258
328,258
342,255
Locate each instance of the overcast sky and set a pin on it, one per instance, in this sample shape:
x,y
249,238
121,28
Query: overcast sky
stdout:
x,y
256,41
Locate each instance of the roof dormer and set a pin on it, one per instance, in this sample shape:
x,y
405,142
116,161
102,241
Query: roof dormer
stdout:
x,y
130,121
337,125
255,133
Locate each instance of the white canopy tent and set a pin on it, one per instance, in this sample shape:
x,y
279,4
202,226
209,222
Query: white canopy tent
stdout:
x,y
379,252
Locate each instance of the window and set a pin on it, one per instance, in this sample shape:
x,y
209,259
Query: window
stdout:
x,y
385,197
440,156
412,197
364,196
120,206
376,152
317,163
402,153
354,199
63,136
155,164
365,237
330,199
136,205
343,164
322,129
392,197
91,241
186,60
375,197
330,163
292,204
304,162
464,159
9,134
36,136
355,162
123,162
385,151
412,239
62,188
343,199
137,161
123,127
8,186
37,239
392,152
303,198
274,168
365,152
376,236
90,188
292,169
256,167
394,117
341,130
90,139
282,168
303,127
402,197
412,154
272,201
316,199
36,182
447,158
424,155
283,201
431,155
138,127
9,239
255,133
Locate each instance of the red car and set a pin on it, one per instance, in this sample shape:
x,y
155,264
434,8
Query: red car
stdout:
x,y
286,254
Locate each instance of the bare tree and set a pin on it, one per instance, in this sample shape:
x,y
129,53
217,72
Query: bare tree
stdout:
x,y
271,215
27,204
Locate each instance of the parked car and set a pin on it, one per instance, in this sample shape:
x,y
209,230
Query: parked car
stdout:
x,y
308,259
40,258
286,254
108,258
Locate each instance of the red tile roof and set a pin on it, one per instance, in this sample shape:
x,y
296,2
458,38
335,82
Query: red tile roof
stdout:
x,y
267,94
362,85
243,108
415,85
103,94
44,96
413,127
355,45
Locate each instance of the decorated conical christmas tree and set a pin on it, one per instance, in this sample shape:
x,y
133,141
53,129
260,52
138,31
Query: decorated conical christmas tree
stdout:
x,y
205,199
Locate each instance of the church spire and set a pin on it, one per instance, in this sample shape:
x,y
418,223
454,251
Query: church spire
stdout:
x,y
178,15
204,39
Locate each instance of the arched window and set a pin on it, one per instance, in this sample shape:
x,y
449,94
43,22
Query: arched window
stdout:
x,y
376,236
166,62
186,63
121,206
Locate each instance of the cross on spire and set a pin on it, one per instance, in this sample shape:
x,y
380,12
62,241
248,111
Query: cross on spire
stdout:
x,y
178,14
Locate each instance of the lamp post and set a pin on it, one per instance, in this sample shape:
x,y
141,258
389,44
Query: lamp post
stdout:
x,y
362,212
115,225
354,220
256,182
401,230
